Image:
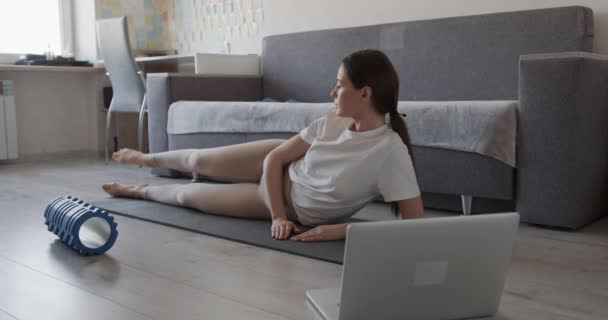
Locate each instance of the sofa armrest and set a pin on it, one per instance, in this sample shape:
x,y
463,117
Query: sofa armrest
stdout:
x,y
163,89
562,138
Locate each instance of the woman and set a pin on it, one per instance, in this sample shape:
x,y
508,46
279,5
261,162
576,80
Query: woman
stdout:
x,y
326,173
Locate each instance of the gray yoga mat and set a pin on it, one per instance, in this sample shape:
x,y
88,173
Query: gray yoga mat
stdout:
x,y
253,232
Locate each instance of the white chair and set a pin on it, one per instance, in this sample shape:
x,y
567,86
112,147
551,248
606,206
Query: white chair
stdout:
x,y
128,83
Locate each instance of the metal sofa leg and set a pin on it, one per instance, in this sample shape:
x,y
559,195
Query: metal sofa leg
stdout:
x,y
467,200
108,124
140,124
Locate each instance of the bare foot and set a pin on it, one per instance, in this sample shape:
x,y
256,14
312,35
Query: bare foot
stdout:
x,y
125,191
129,156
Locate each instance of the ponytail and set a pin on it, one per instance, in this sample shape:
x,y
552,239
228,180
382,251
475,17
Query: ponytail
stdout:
x,y
399,125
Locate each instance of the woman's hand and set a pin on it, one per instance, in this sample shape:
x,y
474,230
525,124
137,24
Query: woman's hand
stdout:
x,y
282,228
323,233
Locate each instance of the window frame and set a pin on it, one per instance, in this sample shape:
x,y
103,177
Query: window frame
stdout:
x,y
66,28
66,34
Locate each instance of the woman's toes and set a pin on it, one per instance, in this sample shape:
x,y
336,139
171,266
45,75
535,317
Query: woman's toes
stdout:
x,y
121,156
128,156
130,191
111,188
116,156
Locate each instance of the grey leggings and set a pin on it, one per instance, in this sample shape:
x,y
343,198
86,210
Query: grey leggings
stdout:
x,y
242,163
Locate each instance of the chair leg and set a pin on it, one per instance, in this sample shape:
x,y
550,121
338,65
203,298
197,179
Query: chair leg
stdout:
x,y
108,123
467,201
140,126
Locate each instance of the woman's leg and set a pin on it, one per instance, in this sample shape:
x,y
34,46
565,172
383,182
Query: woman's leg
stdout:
x,y
243,200
239,162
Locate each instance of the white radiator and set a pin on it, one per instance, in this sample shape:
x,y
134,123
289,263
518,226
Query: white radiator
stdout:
x,y
8,121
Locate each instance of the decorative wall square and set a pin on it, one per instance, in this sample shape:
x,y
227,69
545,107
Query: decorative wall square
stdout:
x,y
184,24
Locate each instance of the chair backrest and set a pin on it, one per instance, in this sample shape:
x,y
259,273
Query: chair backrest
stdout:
x,y
127,85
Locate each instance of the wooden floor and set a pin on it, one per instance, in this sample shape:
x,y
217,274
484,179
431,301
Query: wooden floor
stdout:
x,y
158,272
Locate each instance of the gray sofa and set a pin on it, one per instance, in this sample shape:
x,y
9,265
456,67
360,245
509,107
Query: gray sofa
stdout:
x,y
540,58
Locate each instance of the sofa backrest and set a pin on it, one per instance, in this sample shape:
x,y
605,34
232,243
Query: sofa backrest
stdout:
x,y
459,58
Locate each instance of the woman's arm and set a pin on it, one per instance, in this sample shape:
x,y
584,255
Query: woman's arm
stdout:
x,y
274,164
281,227
326,232
273,175
411,208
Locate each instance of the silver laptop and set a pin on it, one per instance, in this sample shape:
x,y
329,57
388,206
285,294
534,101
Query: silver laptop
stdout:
x,y
434,268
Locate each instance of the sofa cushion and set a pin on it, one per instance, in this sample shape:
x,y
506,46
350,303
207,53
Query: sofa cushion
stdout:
x,y
483,127
237,116
455,58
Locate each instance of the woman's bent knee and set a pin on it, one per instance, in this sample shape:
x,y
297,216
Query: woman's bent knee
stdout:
x,y
193,161
182,199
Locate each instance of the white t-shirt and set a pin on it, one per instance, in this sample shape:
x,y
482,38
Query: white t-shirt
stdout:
x,y
344,170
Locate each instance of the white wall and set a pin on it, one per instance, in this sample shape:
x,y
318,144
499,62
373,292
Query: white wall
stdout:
x,y
286,16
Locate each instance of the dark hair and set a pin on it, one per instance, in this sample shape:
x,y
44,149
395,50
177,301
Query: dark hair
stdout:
x,y
373,68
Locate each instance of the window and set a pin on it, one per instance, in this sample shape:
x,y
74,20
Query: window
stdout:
x,y
35,26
